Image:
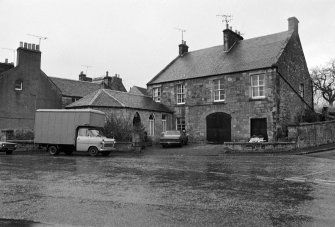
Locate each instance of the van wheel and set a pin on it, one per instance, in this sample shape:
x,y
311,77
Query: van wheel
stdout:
x,y
93,151
53,150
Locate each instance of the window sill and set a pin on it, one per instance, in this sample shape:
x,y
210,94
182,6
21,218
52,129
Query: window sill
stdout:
x,y
180,104
219,102
258,99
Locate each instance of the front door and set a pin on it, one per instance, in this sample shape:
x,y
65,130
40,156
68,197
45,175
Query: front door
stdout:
x,y
218,127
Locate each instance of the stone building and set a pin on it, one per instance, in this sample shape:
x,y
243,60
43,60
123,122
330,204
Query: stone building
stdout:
x,y
73,90
25,88
241,88
139,109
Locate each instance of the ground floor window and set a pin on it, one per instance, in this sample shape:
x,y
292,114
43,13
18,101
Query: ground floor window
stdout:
x,y
258,127
151,125
163,123
180,124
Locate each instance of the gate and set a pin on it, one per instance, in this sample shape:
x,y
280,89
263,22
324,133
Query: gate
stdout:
x,y
218,127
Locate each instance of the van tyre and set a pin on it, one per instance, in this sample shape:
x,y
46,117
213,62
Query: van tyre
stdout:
x,y
53,150
93,151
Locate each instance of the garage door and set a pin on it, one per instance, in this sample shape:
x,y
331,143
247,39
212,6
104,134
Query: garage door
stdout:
x,y
218,127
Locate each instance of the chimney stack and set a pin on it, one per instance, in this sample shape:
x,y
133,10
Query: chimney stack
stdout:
x,y
230,38
83,77
28,54
293,24
183,48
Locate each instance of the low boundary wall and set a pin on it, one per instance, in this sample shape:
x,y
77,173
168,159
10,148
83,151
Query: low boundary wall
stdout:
x,y
260,147
312,134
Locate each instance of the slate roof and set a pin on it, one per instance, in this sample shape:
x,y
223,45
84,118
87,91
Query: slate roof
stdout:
x,y
248,54
75,88
118,99
138,90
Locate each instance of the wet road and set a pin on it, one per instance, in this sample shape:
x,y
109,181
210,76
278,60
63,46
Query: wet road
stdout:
x,y
169,187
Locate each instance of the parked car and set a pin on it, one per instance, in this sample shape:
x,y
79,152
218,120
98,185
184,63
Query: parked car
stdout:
x,y
7,147
173,137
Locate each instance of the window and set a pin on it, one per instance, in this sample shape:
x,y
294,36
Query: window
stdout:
x,y
156,94
258,86
180,94
219,92
163,122
301,90
151,125
18,85
180,123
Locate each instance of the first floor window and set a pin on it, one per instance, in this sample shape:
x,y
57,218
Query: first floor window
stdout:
x,y
156,94
219,92
180,94
180,124
151,125
258,86
18,85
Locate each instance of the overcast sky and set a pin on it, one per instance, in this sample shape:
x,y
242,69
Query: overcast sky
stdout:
x,y
136,39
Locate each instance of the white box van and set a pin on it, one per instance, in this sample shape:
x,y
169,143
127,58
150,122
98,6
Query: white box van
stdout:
x,y
62,130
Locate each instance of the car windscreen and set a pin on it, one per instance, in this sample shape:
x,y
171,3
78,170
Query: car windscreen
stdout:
x,y
96,133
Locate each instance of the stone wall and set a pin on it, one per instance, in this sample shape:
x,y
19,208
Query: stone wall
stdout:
x,y
199,103
292,71
17,107
312,134
144,115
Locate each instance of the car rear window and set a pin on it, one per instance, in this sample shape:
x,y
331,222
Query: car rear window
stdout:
x,y
171,133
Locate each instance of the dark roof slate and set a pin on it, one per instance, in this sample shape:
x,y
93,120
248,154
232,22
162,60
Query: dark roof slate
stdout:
x,y
138,90
248,54
117,99
75,88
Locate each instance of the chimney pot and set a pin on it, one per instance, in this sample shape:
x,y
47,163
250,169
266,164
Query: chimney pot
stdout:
x,y
37,47
25,45
231,28
21,44
106,73
29,46
6,60
33,46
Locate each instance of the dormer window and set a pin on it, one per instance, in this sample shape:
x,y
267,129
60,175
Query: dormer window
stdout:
x,y
18,85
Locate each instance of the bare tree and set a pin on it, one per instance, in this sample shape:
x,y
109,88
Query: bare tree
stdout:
x,y
324,81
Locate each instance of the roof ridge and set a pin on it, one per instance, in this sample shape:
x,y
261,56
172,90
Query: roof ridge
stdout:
x,y
74,80
95,97
122,104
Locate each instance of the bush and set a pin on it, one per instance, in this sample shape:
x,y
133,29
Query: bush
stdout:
x,y
121,128
23,135
307,116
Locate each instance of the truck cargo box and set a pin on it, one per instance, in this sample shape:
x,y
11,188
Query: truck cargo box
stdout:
x,y
58,126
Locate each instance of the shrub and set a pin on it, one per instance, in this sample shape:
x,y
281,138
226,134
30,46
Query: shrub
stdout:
x,y
121,128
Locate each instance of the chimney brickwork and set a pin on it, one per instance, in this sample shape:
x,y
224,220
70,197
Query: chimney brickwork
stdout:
x,y
183,48
230,38
29,54
293,23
